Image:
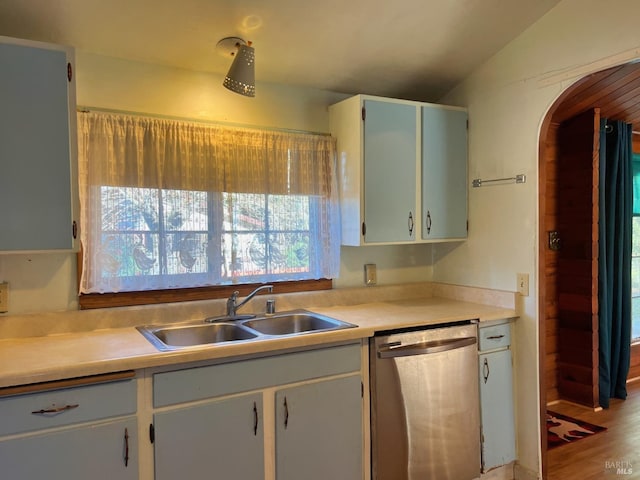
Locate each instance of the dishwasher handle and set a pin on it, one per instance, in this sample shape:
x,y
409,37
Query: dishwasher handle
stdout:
x,y
423,348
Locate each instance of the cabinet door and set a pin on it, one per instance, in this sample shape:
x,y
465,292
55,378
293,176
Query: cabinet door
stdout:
x,y
444,173
221,439
389,171
35,150
496,400
98,452
319,431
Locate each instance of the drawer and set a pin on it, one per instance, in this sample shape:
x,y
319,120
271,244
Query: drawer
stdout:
x,y
496,336
67,406
216,380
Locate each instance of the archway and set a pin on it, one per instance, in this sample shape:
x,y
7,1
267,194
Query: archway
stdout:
x,y
616,93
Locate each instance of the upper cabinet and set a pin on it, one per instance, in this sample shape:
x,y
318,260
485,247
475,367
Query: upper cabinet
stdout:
x,y
403,170
444,172
38,179
390,146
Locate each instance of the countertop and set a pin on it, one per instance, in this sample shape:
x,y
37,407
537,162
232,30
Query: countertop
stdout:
x,y
77,354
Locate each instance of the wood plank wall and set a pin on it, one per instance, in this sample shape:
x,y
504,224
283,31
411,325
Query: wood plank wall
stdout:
x,y
578,151
550,278
571,273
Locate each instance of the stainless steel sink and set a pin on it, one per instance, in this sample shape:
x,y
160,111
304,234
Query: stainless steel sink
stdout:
x,y
218,330
179,336
295,322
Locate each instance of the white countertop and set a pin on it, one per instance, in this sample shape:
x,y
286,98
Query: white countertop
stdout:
x,y
68,355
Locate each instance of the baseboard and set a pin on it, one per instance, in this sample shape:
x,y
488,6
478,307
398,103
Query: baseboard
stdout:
x,y
522,473
557,402
504,472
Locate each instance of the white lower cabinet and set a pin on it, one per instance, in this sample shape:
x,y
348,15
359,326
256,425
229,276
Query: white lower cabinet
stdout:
x,y
496,397
70,434
290,416
217,439
96,452
319,431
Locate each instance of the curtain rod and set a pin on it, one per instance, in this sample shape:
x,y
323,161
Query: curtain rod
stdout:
x,y
86,109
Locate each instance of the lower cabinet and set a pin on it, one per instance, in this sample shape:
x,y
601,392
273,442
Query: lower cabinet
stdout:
x,y
88,431
303,410
319,431
224,437
496,397
100,452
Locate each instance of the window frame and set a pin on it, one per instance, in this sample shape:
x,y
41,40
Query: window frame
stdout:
x,y
88,301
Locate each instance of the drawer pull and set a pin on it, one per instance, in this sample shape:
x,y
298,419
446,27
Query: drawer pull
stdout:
x,y
126,447
495,337
286,413
255,419
485,370
54,410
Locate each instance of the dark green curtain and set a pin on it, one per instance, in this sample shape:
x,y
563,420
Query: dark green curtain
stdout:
x,y
614,279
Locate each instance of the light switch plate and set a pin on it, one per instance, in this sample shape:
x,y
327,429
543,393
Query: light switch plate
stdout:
x,y
4,297
523,284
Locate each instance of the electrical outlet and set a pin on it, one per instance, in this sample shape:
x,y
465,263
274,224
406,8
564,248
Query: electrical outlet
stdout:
x,y
370,274
523,284
4,297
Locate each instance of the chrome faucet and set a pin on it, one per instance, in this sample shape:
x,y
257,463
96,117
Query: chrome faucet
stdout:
x,y
232,306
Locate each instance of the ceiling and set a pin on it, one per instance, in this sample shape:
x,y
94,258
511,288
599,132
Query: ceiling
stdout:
x,y
615,91
415,49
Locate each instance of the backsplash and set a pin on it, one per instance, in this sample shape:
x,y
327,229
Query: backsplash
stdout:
x,y
57,323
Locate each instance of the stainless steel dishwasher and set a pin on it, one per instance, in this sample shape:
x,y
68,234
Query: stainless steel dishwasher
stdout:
x,y
425,409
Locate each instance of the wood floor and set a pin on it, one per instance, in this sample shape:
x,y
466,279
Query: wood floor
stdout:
x,y
599,457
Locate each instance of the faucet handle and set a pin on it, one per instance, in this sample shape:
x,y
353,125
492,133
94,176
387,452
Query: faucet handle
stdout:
x,y
271,306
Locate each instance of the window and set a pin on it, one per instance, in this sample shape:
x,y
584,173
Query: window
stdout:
x,y
635,280
170,204
635,252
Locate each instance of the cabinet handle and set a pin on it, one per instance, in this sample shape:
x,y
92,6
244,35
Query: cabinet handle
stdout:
x,y
126,447
485,370
255,419
54,410
495,337
410,224
286,413
428,222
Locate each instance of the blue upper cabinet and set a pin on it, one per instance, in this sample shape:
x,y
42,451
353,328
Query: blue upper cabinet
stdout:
x,y
390,149
38,180
444,172
403,170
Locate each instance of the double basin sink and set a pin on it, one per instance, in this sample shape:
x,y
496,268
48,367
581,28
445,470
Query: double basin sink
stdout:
x,y
237,329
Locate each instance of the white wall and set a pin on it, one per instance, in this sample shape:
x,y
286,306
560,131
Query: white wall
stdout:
x,y
508,98
47,282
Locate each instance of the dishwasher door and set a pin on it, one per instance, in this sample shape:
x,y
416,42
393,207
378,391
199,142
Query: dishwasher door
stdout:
x,y
425,408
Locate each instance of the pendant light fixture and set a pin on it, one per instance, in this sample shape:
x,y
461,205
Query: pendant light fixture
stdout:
x,y
241,76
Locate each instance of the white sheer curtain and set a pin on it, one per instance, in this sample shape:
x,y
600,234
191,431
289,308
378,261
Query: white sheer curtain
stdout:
x,y
173,204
